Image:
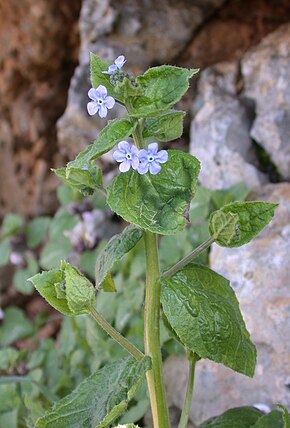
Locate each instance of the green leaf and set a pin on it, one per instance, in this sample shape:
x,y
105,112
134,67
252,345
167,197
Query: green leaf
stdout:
x,y
99,399
116,248
166,127
125,89
15,326
21,277
98,78
203,310
239,417
8,358
221,197
157,202
115,131
54,251
5,251
80,292
286,417
162,88
11,225
253,217
86,181
36,230
223,226
273,419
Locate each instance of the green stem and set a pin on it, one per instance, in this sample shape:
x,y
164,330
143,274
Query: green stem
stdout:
x,y
152,334
128,346
188,398
202,247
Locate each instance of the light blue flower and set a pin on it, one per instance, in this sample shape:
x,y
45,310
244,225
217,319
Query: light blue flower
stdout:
x,y
149,160
127,156
118,64
100,101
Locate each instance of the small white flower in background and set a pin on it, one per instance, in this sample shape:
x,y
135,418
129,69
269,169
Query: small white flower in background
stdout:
x,y
100,101
118,64
127,156
263,407
150,159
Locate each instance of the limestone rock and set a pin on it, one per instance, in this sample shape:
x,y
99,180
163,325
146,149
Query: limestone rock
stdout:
x,y
266,74
259,273
220,131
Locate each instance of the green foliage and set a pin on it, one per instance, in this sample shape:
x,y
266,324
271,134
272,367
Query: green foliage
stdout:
x,y
21,277
116,131
98,78
86,181
223,226
15,326
203,310
36,230
239,417
12,223
156,202
252,218
271,420
155,84
99,399
5,251
116,248
166,127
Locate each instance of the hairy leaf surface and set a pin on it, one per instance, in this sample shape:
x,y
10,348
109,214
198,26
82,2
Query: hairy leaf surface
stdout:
x,y
166,127
239,417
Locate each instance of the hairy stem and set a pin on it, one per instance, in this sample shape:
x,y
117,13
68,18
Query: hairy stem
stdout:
x,y
202,247
128,346
152,334
188,397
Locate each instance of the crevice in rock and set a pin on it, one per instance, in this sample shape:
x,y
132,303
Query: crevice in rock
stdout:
x,y
265,163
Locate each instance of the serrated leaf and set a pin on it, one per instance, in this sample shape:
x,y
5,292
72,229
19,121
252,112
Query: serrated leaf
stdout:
x,y
36,230
86,181
11,225
157,202
253,217
203,310
239,417
166,127
115,131
97,66
273,419
162,87
116,248
99,399
223,226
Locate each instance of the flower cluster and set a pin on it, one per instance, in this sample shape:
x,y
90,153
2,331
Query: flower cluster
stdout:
x,y
140,160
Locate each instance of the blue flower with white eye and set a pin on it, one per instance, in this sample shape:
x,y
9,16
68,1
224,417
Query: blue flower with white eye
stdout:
x,y
149,160
100,101
118,64
127,156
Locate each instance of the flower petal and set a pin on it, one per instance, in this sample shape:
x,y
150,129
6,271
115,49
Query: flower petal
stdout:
x,y
120,61
109,102
143,167
134,150
124,146
154,167
93,95
102,90
125,166
143,154
103,111
153,148
119,156
135,162
112,68
92,108
162,156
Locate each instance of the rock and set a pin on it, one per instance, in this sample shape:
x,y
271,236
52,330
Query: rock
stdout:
x,y
219,135
110,28
259,273
266,74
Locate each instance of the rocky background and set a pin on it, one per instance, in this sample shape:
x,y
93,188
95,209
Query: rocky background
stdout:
x,y
238,125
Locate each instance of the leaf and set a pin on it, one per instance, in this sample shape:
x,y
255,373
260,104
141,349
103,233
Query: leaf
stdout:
x,y
6,380
162,88
99,399
99,78
36,230
156,202
221,197
253,217
115,131
5,252
116,248
20,279
11,225
54,251
223,226
14,327
124,89
239,417
286,417
273,419
202,308
86,181
166,127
